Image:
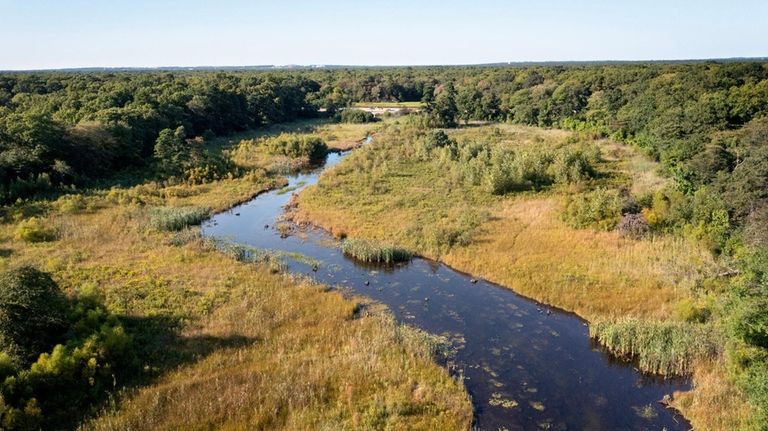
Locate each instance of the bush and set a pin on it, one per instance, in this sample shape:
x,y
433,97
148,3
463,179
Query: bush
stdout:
x,y
56,390
633,226
749,322
36,229
355,116
177,218
32,314
366,251
599,209
295,146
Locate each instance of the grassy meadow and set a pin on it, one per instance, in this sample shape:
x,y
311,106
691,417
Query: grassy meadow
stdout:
x,y
404,190
226,344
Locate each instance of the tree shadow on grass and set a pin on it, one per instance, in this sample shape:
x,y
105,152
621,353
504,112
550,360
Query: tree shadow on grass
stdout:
x,y
159,348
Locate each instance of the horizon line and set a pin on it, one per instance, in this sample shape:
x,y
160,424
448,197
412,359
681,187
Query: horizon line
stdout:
x,y
380,66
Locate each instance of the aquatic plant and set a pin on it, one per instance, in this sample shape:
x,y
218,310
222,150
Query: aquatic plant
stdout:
x,y
177,218
664,348
368,251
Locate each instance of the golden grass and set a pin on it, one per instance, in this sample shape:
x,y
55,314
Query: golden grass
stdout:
x,y
522,243
715,403
256,350
595,274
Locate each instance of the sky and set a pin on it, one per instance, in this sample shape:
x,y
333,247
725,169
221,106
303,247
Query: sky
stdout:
x,y
47,34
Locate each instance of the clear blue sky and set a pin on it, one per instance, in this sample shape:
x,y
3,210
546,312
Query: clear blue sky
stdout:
x,y
38,34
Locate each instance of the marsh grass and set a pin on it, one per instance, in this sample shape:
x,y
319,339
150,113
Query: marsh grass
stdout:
x,y
177,218
232,345
666,348
371,252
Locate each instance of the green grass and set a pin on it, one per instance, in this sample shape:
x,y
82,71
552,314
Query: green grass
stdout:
x,y
370,252
666,348
176,219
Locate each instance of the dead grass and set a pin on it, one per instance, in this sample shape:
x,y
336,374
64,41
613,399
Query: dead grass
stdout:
x,y
715,403
596,274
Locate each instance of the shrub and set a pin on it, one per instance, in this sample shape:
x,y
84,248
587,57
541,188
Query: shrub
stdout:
x,y
36,229
599,209
295,146
573,165
355,116
366,251
659,347
633,226
57,388
177,218
749,322
72,204
32,314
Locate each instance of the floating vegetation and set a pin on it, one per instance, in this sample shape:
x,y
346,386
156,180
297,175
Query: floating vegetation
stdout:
x,y
497,399
370,252
275,260
291,188
537,405
660,347
646,412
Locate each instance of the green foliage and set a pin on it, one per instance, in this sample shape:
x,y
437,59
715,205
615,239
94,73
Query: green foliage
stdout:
x,y
441,111
36,229
58,129
599,209
659,347
32,314
369,252
54,390
177,218
171,150
297,146
749,322
354,116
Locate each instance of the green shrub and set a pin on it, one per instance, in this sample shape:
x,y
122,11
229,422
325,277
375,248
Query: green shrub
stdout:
x,y
33,314
599,209
72,204
36,229
177,218
367,251
57,389
749,322
659,347
354,116
311,147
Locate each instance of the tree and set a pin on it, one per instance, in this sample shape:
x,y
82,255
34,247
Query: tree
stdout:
x,y
442,112
171,150
33,314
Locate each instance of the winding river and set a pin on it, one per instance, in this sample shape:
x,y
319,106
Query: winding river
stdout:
x,y
526,365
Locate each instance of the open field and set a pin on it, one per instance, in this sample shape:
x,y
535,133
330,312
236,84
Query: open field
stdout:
x,y
227,344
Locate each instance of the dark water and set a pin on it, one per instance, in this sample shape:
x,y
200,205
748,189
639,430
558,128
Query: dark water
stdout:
x,y
527,366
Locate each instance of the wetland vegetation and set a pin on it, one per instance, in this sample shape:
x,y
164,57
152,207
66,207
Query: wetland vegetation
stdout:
x,y
634,195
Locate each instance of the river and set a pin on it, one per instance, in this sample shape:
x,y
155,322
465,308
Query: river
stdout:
x,y
526,365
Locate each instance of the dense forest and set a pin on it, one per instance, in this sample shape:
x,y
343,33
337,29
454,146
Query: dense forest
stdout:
x,y
707,123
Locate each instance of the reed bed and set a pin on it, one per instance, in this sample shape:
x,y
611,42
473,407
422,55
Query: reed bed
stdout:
x,y
178,218
371,252
666,348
